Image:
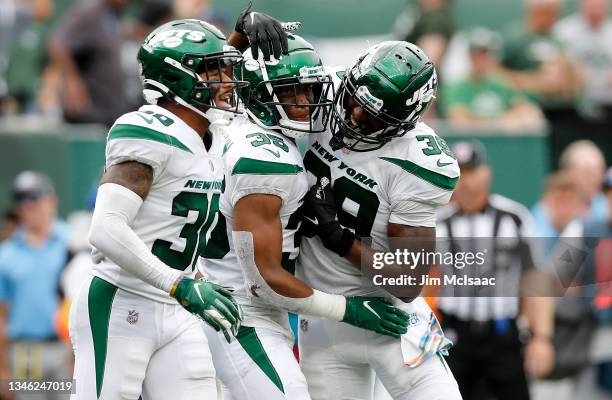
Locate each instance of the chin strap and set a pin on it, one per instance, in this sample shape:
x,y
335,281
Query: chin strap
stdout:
x,y
293,129
152,96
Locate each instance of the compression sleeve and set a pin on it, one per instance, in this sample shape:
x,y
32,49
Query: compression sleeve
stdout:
x,y
319,304
111,234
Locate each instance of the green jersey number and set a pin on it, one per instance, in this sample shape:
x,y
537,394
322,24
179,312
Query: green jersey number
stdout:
x,y
262,139
194,233
343,189
165,121
435,145
294,223
218,244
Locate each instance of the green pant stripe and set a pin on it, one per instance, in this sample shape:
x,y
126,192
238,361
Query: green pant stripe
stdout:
x,y
100,300
247,337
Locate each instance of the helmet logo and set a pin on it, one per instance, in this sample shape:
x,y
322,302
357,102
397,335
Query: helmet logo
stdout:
x,y
172,42
366,97
311,74
426,93
175,37
251,65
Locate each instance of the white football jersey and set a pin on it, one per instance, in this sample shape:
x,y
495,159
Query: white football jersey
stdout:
x,y
257,161
404,182
182,204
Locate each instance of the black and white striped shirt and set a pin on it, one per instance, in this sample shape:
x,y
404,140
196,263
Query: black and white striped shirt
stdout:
x,y
504,229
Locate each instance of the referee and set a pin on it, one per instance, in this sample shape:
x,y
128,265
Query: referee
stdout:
x,y
489,360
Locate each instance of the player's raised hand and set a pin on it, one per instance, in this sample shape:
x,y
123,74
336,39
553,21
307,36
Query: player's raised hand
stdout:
x,y
320,219
211,302
265,32
375,314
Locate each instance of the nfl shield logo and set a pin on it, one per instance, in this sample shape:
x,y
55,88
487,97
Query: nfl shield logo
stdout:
x,y
132,317
304,325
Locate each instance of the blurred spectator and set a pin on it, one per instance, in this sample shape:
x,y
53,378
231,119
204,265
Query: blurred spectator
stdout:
x,y
487,359
20,30
150,14
596,382
31,261
86,55
587,36
536,62
485,99
7,23
563,201
583,323
584,162
430,27
200,9
79,267
27,55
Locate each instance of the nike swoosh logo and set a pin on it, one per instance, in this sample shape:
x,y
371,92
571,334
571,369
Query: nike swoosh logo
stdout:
x,y
197,289
441,164
275,153
147,120
366,304
314,221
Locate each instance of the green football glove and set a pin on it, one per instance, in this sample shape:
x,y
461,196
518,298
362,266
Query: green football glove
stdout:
x,y
375,314
211,302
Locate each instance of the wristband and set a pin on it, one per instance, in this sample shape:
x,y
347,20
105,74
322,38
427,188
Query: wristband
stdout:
x,y
175,285
332,306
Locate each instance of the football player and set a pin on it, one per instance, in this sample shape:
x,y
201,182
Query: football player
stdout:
x,y
255,244
380,174
132,325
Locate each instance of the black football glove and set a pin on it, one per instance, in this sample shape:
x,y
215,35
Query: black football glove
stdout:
x,y
320,219
265,32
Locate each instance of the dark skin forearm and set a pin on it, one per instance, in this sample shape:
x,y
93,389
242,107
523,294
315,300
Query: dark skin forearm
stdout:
x,y
259,214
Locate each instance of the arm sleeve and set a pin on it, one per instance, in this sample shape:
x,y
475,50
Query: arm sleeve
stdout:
x,y
319,304
111,233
